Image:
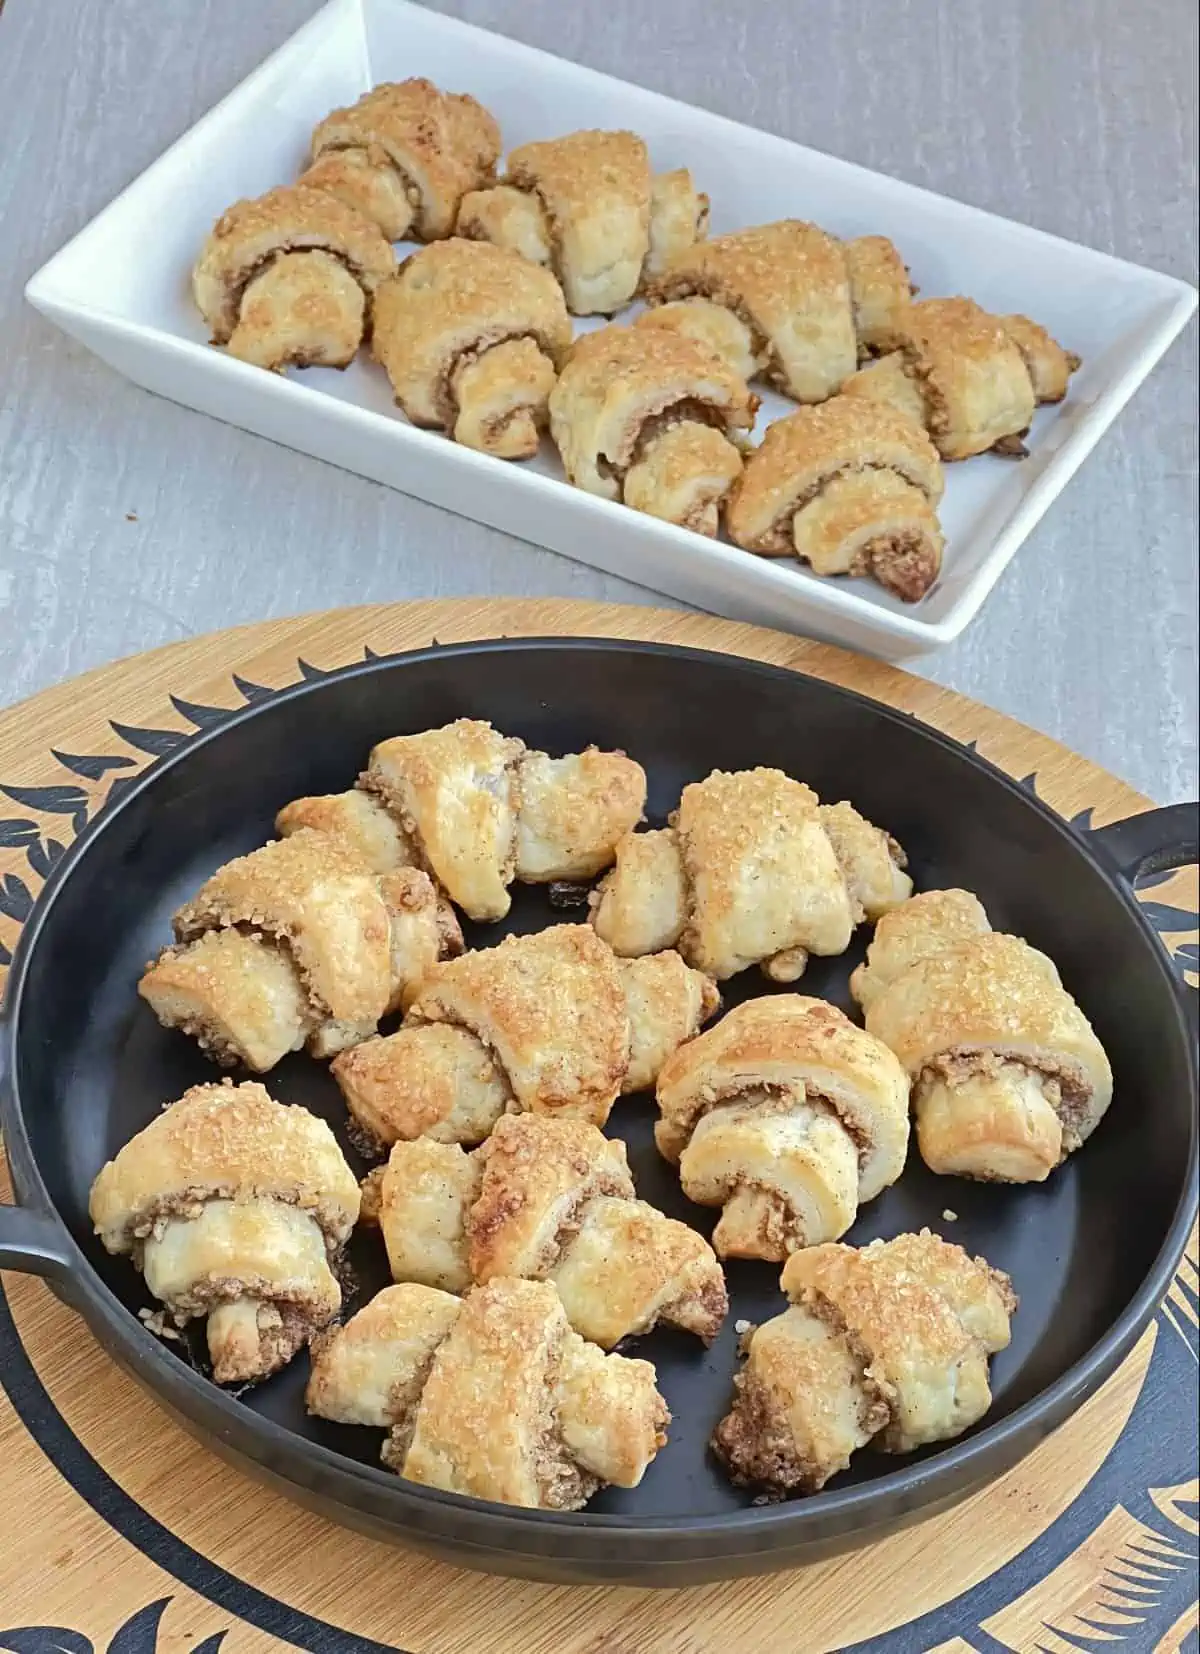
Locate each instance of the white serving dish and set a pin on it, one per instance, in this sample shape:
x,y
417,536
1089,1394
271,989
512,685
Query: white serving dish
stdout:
x,y
121,286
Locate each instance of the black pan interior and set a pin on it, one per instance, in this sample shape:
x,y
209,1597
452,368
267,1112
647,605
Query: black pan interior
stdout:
x,y
94,1066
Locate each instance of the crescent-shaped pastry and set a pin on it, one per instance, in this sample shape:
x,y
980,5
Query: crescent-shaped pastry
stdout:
x,y
480,809
548,1199
586,206
963,375
234,1207
752,871
286,280
651,417
887,1345
493,1396
788,285
850,487
470,337
786,1116
405,155
298,941
551,1023
1008,1076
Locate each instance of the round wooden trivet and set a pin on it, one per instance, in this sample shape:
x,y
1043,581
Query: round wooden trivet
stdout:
x,y
118,1532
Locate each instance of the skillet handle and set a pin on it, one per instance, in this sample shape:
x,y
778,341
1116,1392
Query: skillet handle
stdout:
x,y
1156,841
34,1243
31,1240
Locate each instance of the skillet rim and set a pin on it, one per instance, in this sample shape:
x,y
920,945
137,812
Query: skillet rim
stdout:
x,y
947,1474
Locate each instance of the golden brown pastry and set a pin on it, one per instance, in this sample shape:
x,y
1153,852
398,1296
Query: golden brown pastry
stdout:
x,y
551,1023
471,336
404,156
587,207
1008,1076
964,375
286,280
548,1199
880,289
786,1116
234,1207
752,870
650,417
887,1345
788,286
297,942
850,487
493,1396
479,809
1049,366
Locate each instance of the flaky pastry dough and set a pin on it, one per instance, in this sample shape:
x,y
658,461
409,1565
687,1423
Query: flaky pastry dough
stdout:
x,y
586,206
551,1023
286,279
850,487
1008,1076
300,941
494,1395
786,1116
234,1207
887,1345
548,1199
470,336
405,155
650,417
752,871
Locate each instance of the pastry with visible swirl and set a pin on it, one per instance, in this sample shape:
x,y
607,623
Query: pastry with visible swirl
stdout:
x,y
787,1117
787,287
587,206
851,487
548,1199
651,418
551,1023
972,380
404,156
492,1395
1008,1077
470,337
297,942
235,1208
753,869
286,280
888,1345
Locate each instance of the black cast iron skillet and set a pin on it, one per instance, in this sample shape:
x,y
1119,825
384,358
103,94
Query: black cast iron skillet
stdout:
x,y
83,1065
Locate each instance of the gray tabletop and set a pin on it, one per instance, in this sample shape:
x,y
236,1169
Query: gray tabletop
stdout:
x,y
126,522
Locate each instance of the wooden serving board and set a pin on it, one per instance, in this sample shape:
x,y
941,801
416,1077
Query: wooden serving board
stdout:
x,y
119,1533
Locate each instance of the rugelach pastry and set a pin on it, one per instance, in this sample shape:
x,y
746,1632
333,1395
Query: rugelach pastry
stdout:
x,y
1008,1077
787,1117
548,1199
587,207
471,337
552,1023
888,1346
651,418
492,1395
299,942
753,870
404,156
849,487
235,1208
479,810
286,280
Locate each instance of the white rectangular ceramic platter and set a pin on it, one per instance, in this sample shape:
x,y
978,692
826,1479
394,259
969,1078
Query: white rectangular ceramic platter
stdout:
x,y
121,286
